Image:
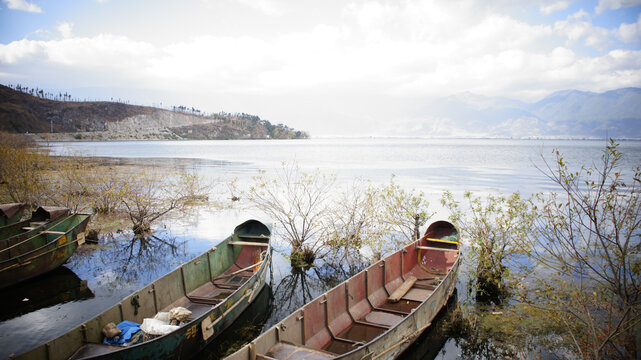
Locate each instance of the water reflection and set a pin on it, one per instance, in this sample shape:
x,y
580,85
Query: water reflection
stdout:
x,y
56,287
245,329
148,253
119,262
114,268
432,341
333,272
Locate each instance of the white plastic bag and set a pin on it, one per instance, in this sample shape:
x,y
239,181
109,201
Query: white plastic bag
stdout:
x,y
162,316
157,327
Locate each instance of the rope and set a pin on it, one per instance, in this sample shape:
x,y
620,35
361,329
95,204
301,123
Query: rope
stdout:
x,y
433,272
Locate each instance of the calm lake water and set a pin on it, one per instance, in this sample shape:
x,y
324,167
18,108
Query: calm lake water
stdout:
x,y
98,276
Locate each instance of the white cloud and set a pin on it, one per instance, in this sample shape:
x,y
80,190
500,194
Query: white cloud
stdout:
x,y
369,55
580,15
531,75
22,5
99,52
615,4
631,33
578,27
21,51
548,9
65,29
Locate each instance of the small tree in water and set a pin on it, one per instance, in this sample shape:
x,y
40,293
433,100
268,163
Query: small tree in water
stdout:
x,y
495,227
403,212
380,218
297,201
149,196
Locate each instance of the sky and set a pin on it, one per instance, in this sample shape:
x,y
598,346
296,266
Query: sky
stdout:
x,y
328,67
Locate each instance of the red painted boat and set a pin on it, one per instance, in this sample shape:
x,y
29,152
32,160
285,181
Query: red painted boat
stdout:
x,y
377,313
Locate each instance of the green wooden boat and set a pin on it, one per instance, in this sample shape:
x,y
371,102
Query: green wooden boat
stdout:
x,y
215,286
41,219
10,213
30,240
45,251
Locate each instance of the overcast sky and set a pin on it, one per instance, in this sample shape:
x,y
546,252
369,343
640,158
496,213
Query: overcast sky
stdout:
x,y
329,67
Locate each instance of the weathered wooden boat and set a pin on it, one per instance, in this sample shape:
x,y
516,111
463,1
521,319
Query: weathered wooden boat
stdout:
x,y
43,252
215,286
29,238
10,213
375,314
41,219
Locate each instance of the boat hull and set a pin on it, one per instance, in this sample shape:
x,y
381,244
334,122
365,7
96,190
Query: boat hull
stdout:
x,y
397,341
44,252
184,286
42,218
187,341
377,313
16,238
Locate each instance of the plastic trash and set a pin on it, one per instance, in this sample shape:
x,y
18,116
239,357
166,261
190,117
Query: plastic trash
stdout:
x,y
157,327
162,316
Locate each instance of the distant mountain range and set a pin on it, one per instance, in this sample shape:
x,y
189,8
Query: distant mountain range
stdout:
x,y
31,111
563,114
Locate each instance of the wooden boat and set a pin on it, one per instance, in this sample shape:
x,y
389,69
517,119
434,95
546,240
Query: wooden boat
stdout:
x,y
10,213
44,251
41,219
375,314
215,286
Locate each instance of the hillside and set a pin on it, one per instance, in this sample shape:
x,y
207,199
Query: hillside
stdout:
x,y
566,114
100,120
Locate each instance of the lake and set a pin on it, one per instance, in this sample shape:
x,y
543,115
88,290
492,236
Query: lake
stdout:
x,y
98,276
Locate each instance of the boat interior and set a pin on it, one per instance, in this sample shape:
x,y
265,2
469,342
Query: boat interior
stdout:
x,y
363,307
17,236
33,241
199,286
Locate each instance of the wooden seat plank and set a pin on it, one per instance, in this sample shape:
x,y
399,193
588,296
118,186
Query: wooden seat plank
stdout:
x,y
383,318
401,290
417,294
435,248
284,351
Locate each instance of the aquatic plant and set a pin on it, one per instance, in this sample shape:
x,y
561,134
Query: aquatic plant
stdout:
x,y
495,227
589,236
297,202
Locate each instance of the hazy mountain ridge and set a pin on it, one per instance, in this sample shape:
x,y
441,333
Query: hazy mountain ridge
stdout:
x,y
21,112
567,113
